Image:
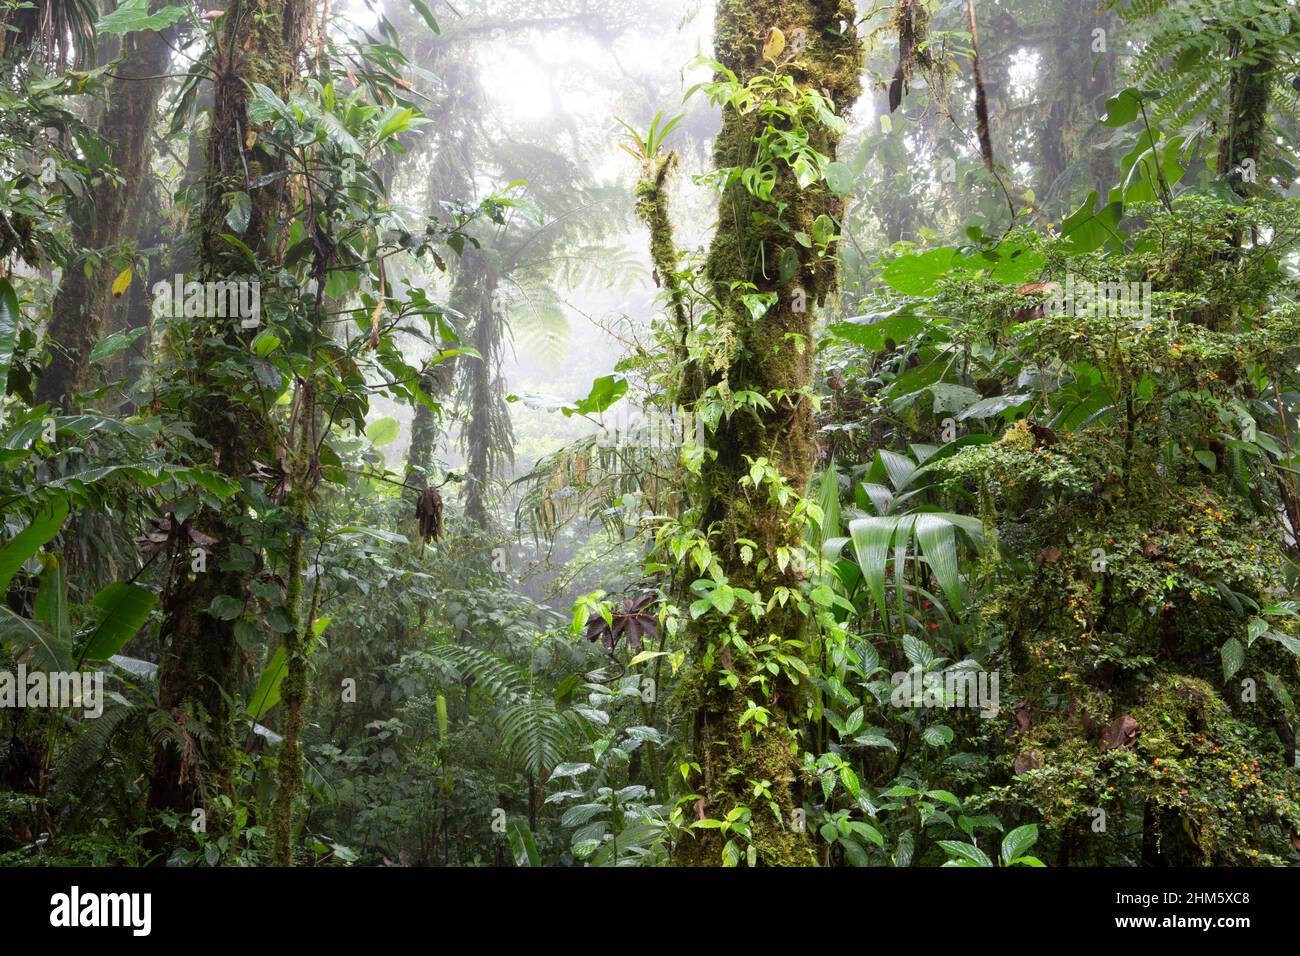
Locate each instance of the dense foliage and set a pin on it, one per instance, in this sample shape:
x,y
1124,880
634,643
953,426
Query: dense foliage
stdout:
x,y
937,504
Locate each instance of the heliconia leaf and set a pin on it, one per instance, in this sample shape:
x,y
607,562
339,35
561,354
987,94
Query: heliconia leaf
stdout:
x,y
522,844
51,606
124,608
8,331
267,694
31,539
47,652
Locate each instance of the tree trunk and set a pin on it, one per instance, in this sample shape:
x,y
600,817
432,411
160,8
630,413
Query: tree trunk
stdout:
x,y
199,670
83,303
772,355
1243,139
478,445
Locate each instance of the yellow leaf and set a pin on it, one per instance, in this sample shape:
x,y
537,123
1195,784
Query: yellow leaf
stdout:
x,y
374,323
121,282
774,44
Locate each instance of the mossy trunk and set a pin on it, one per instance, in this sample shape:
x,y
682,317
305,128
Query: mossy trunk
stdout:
x,y
84,302
296,685
772,355
479,437
653,210
257,43
1243,136
486,436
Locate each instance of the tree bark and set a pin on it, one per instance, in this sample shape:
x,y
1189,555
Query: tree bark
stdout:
x,y
83,302
199,669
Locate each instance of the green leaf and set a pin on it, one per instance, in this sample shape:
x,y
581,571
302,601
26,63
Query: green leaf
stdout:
x,y
937,539
522,844
823,230
47,652
871,539
1233,655
226,608
1086,230
267,694
605,391
1286,640
112,344
132,16
868,831
124,607
241,211
900,468
989,407
1122,108
938,735
265,343
9,317
1015,843
51,605
396,120
945,797
440,704
382,431
917,652
425,13
872,332
839,178
31,539
917,273
967,852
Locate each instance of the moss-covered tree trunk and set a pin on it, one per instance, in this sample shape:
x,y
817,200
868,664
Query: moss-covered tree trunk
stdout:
x,y
772,356
437,383
83,303
486,434
258,42
479,437
1243,138
296,685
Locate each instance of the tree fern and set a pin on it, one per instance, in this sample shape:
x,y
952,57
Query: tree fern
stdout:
x,y
503,682
1194,46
